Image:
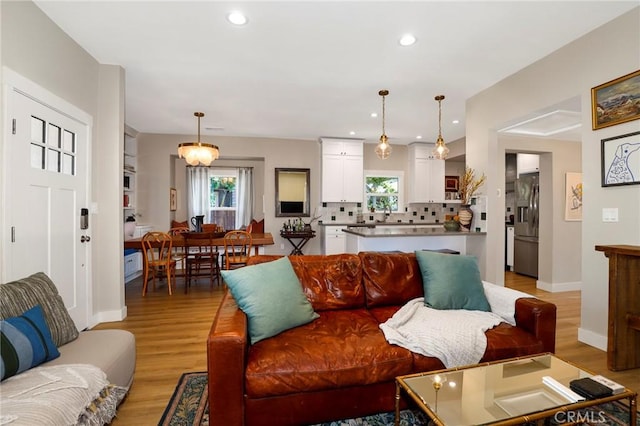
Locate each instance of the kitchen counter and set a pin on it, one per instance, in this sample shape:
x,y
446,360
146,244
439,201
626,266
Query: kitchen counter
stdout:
x,y
411,239
374,224
406,232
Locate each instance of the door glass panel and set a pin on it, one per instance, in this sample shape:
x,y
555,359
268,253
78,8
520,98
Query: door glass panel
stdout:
x,y
69,141
68,164
54,136
53,162
37,130
37,156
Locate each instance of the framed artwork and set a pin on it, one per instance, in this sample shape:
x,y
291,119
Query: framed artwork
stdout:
x,y
173,199
616,101
451,183
621,160
573,197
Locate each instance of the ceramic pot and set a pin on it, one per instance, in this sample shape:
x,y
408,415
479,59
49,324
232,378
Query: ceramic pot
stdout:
x,y
129,229
465,215
451,226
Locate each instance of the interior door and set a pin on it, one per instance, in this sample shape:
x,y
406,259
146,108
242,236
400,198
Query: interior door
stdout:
x,y
46,192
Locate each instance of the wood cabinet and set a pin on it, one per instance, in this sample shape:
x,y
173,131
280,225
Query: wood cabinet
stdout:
x,y
623,339
342,170
426,175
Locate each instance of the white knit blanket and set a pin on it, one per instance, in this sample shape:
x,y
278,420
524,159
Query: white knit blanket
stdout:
x,y
456,337
503,300
50,395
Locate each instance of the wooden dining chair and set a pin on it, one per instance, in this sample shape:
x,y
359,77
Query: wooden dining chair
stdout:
x,y
159,261
237,248
179,252
201,258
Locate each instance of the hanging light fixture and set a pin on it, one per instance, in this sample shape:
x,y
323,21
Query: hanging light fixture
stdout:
x,y
440,151
383,150
196,153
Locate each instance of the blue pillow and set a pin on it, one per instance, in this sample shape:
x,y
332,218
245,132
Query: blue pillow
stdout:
x,y
451,281
271,296
25,342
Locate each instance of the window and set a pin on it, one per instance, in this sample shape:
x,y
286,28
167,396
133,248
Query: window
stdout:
x,y
223,197
383,190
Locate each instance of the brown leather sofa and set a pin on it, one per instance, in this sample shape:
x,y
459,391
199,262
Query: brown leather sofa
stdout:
x,y
339,365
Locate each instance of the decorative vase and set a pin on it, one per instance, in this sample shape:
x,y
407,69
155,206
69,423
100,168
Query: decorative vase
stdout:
x,y
465,215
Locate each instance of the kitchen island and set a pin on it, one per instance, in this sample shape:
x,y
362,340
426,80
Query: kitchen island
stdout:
x,y
409,239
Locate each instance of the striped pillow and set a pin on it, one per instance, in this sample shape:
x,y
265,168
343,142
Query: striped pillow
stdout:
x,y
18,296
25,342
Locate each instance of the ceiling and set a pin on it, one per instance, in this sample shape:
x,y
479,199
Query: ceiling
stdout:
x,y
308,69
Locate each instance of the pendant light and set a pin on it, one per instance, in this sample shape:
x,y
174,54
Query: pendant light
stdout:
x,y
198,153
440,151
383,150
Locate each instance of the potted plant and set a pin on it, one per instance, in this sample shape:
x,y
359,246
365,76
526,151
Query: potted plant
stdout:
x,y
469,185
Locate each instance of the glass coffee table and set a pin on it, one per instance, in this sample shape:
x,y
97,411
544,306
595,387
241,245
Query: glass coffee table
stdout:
x,y
507,392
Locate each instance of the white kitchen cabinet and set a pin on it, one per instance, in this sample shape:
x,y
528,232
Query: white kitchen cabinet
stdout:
x,y
333,240
342,170
527,163
426,175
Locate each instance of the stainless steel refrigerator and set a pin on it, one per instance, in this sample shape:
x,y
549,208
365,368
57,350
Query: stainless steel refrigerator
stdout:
x,y
525,245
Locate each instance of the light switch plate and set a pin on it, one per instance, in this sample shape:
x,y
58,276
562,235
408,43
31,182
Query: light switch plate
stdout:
x,y
609,214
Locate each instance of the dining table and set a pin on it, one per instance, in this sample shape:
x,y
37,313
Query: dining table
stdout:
x,y
257,240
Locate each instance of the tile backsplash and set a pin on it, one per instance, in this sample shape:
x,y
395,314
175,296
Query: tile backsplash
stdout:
x,y
414,213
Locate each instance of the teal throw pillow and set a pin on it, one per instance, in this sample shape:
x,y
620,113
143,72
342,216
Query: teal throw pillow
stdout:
x,y
451,281
271,296
25,342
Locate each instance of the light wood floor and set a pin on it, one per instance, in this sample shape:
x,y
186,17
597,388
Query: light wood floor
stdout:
x,y
171,334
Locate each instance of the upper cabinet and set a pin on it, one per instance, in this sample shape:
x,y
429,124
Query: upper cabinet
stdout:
x,y
426,175
528,163
342,170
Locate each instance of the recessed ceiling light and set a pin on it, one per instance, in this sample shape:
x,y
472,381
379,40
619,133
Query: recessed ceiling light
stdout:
x,y
456,121
407,40
352,133
419,137
374,114
237,18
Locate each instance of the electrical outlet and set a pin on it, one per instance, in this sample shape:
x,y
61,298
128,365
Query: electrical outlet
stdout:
x,y
281,246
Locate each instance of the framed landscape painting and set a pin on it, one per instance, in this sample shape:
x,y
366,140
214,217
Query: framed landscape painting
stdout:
x,y
620,156
616,101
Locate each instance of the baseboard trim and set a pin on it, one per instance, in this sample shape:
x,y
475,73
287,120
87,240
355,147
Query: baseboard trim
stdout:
x,y
110,316
592,339
559,287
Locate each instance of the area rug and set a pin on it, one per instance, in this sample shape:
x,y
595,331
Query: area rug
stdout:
x,y
189,406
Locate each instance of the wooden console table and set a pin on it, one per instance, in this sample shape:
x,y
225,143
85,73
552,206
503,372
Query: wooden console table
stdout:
x,y
623,341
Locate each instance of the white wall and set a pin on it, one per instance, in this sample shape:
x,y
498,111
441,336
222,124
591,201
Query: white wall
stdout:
x,y
37,49
157,158
608,52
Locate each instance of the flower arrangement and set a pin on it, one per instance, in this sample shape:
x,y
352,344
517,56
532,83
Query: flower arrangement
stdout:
x,y
469,184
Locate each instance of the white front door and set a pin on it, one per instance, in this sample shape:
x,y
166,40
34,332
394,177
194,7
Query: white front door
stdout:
x,y
46,185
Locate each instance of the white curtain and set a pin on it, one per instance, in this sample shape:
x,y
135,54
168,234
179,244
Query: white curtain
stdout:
x,y
244,208
198,193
